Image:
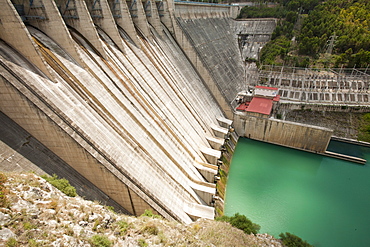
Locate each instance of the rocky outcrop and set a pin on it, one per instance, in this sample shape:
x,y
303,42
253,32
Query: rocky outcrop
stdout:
x,y
37,214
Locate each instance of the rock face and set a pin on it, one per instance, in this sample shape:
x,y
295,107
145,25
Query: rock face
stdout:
x,y
37,214
344,124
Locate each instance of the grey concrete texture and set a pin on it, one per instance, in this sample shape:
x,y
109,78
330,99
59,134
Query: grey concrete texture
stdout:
x,y
252,35
130,120
21,152
217,48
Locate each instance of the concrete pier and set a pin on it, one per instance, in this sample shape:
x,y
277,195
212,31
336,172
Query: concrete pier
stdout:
x,y
76,15
14,32
122,16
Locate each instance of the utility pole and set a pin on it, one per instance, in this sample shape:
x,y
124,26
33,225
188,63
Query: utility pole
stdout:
x,y
331,44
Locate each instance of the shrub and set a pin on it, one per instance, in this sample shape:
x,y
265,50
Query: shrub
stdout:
x,y
3,200
149,213
142,242
122,226
33,243
241,222
150,229
96,225
110,208
28,226
12,242
291,240
100,241
61,184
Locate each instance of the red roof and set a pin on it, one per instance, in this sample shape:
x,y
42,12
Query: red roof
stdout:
x,y
243,106
270,88
276,98
260,105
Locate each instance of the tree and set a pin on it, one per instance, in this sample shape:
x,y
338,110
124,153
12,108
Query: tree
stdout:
x,y
241,222
291,240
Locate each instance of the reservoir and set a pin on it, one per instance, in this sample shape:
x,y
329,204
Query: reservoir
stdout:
x,y
323,200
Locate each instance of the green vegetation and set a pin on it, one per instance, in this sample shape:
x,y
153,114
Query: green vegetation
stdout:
x,y
142,242
262,11
364,129
149,213
347,23
12,242
150,229
28,226
223,172
241,222
275,51
62,184
313,33
122,227
3,200
291,240
100,241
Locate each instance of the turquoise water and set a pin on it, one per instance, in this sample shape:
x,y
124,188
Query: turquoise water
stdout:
x,y
323,200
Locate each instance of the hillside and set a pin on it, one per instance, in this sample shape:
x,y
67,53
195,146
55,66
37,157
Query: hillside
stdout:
x,y
317,34
34,213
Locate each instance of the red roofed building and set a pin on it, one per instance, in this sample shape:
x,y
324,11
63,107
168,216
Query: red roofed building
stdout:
x,y
262,102
260,106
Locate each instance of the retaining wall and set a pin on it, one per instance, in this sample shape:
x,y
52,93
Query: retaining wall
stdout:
x,y
290,134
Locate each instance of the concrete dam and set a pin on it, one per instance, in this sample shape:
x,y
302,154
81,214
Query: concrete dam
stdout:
x,y
135,102
129,100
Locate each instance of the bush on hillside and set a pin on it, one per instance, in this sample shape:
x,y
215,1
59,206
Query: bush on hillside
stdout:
x,y
100,241
61,184
149,213
241,222
291,240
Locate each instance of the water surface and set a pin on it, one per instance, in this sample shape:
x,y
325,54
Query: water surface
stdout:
x,y
323,200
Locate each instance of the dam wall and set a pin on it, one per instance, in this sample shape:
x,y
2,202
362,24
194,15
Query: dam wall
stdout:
x,y
252,35
212,49
196,10
128,111
20,152
290,134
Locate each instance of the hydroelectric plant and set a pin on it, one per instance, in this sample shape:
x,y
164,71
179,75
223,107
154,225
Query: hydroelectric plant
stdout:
x,y
134,101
